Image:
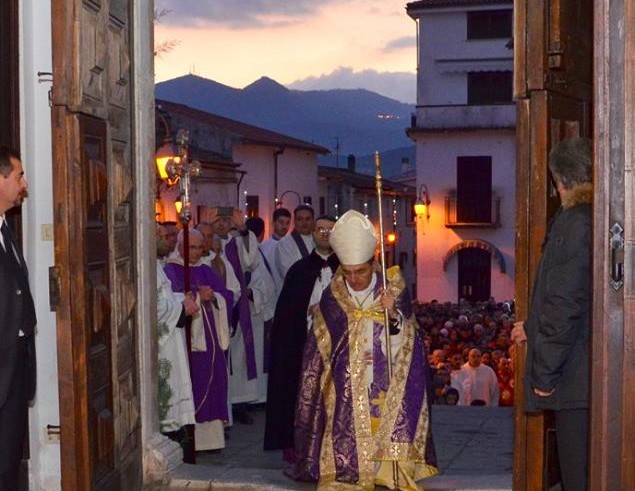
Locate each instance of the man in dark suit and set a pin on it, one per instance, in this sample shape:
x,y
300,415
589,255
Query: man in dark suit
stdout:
x,y
17,328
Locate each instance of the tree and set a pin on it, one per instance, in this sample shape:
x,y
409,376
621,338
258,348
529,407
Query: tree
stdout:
x,y
163,46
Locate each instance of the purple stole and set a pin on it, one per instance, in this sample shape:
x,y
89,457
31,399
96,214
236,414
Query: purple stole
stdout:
x,y
244,315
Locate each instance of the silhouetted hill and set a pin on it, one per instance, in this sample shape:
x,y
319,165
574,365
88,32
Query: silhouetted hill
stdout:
x,y
393,161
359,120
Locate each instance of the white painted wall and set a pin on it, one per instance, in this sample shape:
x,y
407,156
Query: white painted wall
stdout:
x,y
443,38
258,162
445,58
35,123
297,173
436,167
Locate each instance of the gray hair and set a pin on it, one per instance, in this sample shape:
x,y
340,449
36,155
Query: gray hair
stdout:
x,y
571,162
193,231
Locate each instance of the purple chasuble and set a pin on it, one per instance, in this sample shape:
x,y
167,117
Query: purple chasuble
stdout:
x,y
316,407
208,369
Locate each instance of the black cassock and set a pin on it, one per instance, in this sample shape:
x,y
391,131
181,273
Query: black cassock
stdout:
x,y
288,335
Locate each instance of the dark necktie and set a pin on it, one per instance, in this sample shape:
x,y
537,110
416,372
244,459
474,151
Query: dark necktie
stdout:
x,y
9,247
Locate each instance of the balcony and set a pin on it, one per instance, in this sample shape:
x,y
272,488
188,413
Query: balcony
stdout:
x,y
453,218
437,118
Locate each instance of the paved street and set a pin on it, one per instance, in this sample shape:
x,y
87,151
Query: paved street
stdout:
x,y
474,448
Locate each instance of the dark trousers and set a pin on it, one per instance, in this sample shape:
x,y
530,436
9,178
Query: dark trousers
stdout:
x,y
572,428
13,426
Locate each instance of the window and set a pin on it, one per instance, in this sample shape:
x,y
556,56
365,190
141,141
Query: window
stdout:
x,y
489,88
475,274
474,189
489,24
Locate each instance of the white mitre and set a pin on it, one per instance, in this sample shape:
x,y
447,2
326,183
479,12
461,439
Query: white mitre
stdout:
x,y
353,238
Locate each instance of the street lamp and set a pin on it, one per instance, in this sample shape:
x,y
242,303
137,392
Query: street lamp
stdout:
x,y
175,167
422,205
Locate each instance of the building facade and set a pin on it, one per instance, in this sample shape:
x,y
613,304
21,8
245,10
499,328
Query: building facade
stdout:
x,y
249,168
464,130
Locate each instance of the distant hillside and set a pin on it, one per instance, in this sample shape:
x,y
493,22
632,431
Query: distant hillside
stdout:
x,y
393,161
358,120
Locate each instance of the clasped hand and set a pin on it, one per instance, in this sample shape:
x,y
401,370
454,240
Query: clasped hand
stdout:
x,y
205,293
388,302
190,305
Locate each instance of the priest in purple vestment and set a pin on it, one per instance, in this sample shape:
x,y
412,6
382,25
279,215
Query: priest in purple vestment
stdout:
x,y
355,428
210,340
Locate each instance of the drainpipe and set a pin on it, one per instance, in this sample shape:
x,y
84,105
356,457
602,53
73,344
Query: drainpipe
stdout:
x,y
276,154
242,175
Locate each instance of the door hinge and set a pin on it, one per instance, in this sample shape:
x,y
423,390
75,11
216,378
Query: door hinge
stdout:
x,y
55,288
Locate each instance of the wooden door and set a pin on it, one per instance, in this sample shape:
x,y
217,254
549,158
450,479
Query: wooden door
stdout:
x,y
94,245
553,90
613,367
475,274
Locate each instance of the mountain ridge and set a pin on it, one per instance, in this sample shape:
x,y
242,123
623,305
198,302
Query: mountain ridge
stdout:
x,y
357,121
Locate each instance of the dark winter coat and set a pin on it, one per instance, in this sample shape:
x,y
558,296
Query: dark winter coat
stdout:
x,y
558,327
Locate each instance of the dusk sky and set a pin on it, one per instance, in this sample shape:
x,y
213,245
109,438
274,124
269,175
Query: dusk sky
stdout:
x,y
301,44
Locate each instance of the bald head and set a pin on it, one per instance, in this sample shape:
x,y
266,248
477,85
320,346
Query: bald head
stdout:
x,y
474,357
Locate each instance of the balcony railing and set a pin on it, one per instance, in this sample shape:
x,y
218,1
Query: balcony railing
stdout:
x,y
452,214
464,116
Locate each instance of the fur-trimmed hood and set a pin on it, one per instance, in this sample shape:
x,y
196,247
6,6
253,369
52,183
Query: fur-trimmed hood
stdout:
x,y
577,195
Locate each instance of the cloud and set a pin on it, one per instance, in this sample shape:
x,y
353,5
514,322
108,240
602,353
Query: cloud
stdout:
x,y
238,13
401,86
401,43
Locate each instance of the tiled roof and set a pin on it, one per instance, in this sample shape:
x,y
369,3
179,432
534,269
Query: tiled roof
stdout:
x,y
248,133
422,4
362,181
407,175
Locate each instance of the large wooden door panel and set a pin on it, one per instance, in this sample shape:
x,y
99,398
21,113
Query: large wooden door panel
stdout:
x,y
95,230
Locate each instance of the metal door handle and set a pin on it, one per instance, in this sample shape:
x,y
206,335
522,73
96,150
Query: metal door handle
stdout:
x,y
616,242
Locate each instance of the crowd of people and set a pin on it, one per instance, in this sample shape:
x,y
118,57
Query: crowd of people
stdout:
x,y
258,313
470,350
346,363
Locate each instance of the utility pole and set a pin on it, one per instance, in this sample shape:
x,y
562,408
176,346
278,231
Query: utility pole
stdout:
x,y
337,151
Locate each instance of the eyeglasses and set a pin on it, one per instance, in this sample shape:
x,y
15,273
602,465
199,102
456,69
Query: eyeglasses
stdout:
x,y
323,231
